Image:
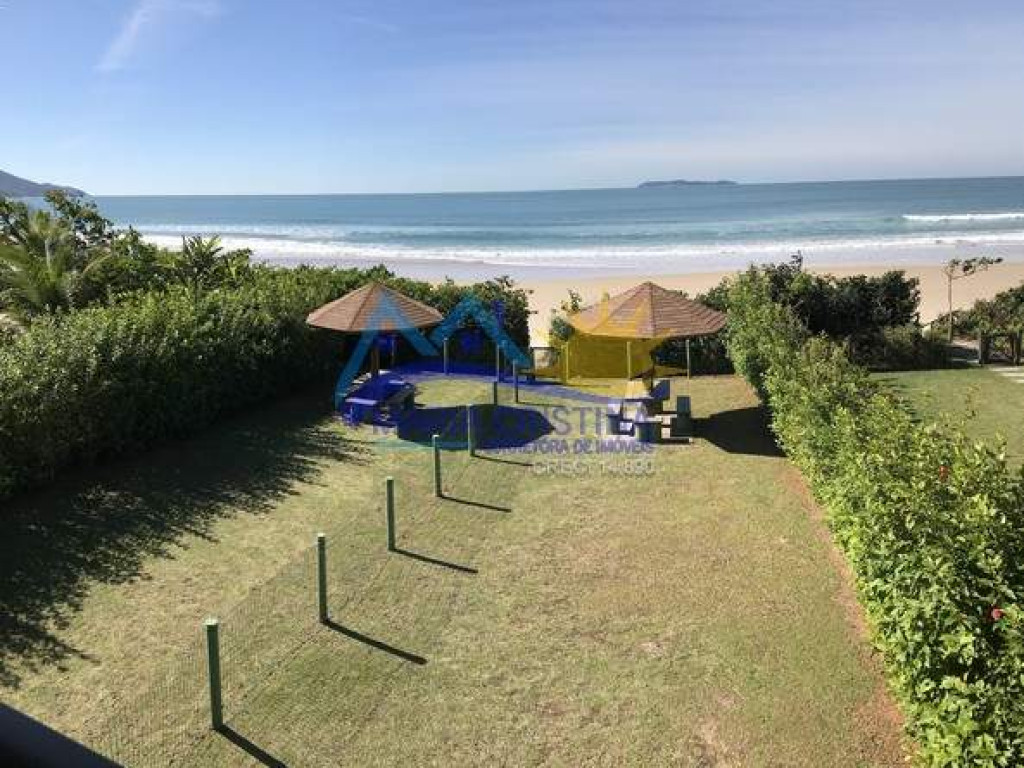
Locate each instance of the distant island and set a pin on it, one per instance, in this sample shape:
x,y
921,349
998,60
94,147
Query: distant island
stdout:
x,y
685,183
15,186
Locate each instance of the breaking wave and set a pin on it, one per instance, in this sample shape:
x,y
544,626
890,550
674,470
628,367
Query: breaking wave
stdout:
x,y
941,218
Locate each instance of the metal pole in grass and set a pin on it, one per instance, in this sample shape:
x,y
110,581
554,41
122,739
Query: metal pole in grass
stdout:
x,y
515,381
435,442
494,393
389,504
213,671
497,361
321,576
444,347
469,430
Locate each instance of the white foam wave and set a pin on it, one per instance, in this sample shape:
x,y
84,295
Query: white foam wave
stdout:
x,y
285,250
283,231
964,217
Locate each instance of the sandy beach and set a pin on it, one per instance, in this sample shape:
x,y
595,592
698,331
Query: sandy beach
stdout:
x,y
547,295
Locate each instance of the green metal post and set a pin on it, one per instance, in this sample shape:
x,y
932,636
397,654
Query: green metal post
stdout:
x,y
469,430
321,576
515,381
389,502
497,362
213,671
435,441
494,393
444,346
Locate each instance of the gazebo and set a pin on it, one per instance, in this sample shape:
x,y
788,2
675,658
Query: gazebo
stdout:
x,y
646,316
372,310
651,315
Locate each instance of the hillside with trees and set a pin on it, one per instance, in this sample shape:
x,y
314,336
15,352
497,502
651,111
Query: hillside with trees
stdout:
x,y
16,186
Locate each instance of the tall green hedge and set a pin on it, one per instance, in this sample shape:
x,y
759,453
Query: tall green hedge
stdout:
x,y
99,381
932,523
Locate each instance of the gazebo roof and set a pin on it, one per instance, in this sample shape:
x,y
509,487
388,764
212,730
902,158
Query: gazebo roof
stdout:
x,y
374,307
648,311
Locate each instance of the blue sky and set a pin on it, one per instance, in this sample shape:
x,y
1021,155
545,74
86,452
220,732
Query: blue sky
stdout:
x,y
249,96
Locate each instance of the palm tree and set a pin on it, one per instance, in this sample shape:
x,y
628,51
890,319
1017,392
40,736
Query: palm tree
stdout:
x,y
203,263
42,267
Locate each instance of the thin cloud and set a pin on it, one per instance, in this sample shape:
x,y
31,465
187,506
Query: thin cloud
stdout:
x,y
145,18
372,23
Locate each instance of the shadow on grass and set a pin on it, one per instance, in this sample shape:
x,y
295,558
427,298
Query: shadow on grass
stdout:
x,y
254,751
380,645
743,431
478,504
100,525
434,561
502,426
499,460
494,426
419,425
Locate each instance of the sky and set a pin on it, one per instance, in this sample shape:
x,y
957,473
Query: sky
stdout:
x,y
298,96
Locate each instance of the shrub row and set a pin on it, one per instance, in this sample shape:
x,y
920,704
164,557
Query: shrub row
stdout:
x,y
931,522
98,381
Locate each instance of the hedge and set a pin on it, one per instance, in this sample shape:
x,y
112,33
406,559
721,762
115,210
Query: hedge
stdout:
x,y
100,381
931,522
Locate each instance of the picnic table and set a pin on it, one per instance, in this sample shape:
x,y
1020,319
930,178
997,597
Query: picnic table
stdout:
x,y
641,414
380,401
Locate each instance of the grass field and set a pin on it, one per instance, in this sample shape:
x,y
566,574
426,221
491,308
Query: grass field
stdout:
x,y
987,405
542,613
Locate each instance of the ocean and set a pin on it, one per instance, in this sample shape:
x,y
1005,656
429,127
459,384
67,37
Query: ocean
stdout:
x,y
665,230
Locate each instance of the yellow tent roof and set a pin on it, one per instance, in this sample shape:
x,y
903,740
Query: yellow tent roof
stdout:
x,y
648,311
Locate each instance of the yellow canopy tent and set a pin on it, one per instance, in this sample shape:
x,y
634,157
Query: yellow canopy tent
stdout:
x,y
615,337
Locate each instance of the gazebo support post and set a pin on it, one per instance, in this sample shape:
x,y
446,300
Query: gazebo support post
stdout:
x,y
688,368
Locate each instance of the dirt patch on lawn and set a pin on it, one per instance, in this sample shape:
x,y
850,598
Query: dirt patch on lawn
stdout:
x,y
708,750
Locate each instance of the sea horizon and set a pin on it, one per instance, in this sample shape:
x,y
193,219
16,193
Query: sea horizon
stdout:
x,y
691,182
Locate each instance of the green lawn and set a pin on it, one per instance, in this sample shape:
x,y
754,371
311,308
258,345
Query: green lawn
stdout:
x,y
543,613
988,405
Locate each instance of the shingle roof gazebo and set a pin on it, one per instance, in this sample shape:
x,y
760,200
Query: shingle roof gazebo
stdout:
x,y
648,312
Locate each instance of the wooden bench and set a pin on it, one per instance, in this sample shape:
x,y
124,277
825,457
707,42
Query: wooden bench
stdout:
x,y
359,409
647,429
377,401
399,401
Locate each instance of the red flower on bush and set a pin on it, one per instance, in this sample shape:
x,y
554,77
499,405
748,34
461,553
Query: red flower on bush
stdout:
x,y
996,613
